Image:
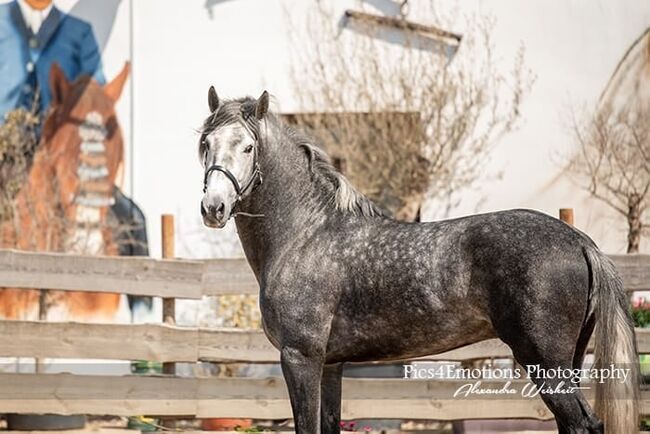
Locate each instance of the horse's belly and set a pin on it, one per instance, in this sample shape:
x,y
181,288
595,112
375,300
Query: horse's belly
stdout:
x,y
404,337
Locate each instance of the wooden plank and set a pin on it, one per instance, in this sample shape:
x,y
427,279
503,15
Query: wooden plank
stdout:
x,y
496,348
399,23
179,278
238,397
167,343
124,275
157,342
635,270
232,345
263,399
229,276
100,395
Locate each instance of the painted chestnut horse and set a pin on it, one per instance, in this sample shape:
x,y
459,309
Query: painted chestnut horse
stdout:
x,y
65,203
340,282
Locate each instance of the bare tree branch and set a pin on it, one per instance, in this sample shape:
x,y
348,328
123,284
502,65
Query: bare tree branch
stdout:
x,y
612,162
412,119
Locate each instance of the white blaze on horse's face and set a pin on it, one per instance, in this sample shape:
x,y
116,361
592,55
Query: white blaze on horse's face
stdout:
x,y
231,147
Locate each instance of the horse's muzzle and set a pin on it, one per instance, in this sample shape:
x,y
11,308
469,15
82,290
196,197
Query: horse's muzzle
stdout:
x,y
215,216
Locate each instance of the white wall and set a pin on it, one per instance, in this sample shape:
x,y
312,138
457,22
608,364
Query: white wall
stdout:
x,y
181,51
573,47
241,47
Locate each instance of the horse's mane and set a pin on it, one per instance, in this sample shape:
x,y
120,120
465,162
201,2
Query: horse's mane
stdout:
x,y
342,193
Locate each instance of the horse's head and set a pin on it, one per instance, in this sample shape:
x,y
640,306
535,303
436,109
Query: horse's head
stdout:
x,y
82,137
228,150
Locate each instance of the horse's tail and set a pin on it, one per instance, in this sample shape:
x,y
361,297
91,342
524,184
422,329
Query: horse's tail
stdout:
x,y
617,401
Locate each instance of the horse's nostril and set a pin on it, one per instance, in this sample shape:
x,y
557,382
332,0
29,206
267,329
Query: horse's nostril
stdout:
x,y
215,211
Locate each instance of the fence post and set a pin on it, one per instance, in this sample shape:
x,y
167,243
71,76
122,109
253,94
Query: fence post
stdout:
x,y
169,304
566,215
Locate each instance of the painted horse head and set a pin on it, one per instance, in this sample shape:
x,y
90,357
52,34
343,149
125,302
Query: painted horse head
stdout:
x,y
83,142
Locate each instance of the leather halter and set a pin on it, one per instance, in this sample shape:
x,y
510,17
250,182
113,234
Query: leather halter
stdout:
x,y
256,174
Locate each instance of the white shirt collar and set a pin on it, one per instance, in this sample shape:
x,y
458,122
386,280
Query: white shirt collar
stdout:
x,y
33,17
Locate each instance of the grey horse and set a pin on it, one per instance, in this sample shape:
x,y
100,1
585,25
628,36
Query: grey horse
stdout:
x,y
341,282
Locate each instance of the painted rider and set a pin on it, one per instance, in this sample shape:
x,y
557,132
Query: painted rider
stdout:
x,y
33,35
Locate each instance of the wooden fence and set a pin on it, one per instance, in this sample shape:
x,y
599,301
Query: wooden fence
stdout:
x,y
210,397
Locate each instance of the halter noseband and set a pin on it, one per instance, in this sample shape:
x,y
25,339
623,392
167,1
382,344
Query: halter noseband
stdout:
x,y
256,174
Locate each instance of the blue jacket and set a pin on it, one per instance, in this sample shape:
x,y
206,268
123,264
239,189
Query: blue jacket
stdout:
x,y
25,58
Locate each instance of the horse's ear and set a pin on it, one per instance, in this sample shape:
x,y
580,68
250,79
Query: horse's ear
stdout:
x,y
114,89
59,85
213,99
262,105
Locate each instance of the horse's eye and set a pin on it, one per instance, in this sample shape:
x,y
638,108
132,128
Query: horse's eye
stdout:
x,y
248,149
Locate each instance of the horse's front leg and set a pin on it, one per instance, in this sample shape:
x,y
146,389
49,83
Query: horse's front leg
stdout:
x,y
302,372
330,396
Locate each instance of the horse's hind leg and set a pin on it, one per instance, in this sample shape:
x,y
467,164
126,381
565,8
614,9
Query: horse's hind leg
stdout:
x,y
330,410
578,359
583,342
572,413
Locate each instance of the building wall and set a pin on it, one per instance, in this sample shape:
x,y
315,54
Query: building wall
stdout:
x,y
573,47
242,47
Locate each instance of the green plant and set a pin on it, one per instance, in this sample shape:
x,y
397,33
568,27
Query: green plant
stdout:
x,y
641,313
251,429
645,424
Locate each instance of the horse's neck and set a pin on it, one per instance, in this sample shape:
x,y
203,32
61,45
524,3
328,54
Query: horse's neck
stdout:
x,y
285,208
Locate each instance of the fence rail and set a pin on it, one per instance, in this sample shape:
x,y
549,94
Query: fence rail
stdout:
x,y
166,343
255,398
180,278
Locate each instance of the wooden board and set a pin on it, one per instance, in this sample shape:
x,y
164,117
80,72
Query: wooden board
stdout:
x,y
158,342
124,275
262,399
228,276
232,345
167,343
635,270
179,278
254,398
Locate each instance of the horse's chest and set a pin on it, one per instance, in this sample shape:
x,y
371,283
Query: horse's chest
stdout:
x,y
271,334
274,307
296,313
